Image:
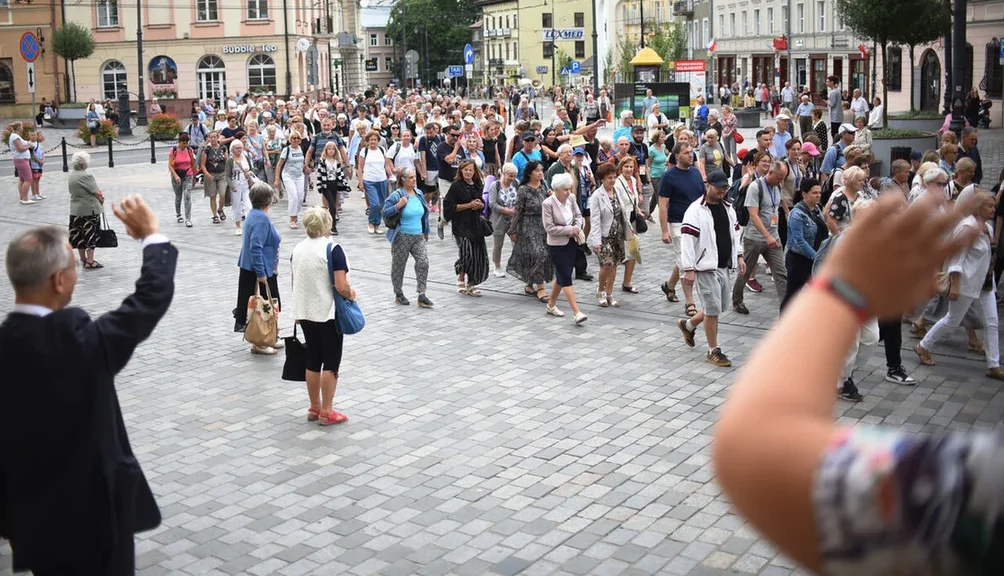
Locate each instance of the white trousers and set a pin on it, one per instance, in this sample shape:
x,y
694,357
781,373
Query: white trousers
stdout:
x,y
867,338
986,306
293,185
240,200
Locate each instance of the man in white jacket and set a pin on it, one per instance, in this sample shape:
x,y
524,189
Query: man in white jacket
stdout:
x,y
711,249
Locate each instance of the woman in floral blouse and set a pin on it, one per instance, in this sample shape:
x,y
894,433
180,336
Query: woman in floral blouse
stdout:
x,y
860,501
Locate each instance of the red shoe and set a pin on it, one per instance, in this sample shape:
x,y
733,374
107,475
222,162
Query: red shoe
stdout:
x,y
332,417
313,415
754,285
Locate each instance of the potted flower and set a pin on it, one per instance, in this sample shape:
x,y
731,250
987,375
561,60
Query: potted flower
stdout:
x,y
166,93
164,127
106,130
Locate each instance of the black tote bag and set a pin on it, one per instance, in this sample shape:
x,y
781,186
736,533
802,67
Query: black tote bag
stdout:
x,y
295,367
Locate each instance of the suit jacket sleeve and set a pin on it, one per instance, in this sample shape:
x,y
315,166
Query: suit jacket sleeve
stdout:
x,y
117,334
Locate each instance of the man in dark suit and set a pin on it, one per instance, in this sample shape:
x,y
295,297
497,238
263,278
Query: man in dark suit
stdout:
x,y
71,492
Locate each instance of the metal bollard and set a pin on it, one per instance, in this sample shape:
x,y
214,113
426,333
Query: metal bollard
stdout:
x,y
66,164
153,152
111,159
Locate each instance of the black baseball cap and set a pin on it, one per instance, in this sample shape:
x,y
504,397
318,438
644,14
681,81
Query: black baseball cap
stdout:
x,y
718,179
529,135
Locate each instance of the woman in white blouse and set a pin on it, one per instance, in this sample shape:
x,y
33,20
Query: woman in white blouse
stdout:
x,y
971,284
314,311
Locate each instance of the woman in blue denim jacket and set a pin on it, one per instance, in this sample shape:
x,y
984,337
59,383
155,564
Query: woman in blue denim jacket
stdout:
x,y
258,260
806,231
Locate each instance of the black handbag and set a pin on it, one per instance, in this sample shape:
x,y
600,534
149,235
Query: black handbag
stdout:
x,y
640,225
485,226
106,236
295,367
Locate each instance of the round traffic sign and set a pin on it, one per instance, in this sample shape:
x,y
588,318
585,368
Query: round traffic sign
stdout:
x,y
29,47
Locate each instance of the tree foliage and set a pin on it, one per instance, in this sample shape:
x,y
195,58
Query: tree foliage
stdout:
x,y
448,23
932,18
73,42
668,40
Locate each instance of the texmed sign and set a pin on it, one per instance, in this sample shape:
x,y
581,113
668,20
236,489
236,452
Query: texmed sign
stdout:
x,y
559,34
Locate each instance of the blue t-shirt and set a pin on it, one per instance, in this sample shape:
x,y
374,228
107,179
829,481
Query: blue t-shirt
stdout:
x,y
682,187
411,216
338,260
622,131
521,159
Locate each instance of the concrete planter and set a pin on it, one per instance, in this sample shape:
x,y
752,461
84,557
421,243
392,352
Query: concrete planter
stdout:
x,y
882,148
922,124
747,118
68,117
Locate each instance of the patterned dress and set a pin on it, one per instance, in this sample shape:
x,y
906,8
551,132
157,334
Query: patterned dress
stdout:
x,y
530,260
612,246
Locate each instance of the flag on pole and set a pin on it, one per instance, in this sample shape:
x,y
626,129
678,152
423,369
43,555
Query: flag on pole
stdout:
x,y
712,46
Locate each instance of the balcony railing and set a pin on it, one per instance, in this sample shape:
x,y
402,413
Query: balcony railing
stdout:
x,y
683,7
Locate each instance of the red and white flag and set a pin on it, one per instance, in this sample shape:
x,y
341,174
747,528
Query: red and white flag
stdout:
x,y
712,46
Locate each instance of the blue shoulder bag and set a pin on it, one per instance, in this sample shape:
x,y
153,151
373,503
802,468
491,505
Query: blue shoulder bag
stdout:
x,y
348,315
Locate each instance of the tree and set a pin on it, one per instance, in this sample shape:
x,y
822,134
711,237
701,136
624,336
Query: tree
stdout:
x,y
669,41
878,21
446,25
73,42
931,19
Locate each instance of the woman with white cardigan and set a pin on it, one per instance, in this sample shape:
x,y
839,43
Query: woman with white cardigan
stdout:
x,y
610,215
563,224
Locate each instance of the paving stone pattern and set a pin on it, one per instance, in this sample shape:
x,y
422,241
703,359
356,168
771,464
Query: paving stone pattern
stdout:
x,y
484,436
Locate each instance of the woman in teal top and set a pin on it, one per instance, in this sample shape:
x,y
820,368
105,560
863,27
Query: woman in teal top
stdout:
x,y
657,155
409,236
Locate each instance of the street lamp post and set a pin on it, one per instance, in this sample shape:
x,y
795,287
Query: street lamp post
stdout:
x,y
596,56
404,49
958,68
141,101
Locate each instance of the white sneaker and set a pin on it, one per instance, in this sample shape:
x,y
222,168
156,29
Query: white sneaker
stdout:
x,y
279,344
553,311
38,197
602,300
499,273
370,229
238,232
580,318
27,202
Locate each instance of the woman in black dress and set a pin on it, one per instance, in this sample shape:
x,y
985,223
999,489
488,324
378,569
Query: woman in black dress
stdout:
x,y
494,148
530,260
462,208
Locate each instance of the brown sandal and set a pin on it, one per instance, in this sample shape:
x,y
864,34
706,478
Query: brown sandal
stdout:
x,y
691,310
924,355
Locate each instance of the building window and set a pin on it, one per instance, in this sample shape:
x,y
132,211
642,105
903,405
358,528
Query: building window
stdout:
x,y
770,21
547,20
894,69
108,13
373,40
756,22
113,80
746,24
784,19
514,56
548,50
211,78
507,21
261,74
705,33
507,51
732,24
658,12
388,64
580,48
993,73
800,18
721,25
7,95
579,19
257,9
206,11
515,18
821,9
388,41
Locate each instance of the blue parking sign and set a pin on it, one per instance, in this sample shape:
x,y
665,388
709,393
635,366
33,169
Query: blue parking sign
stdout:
x,y
575,67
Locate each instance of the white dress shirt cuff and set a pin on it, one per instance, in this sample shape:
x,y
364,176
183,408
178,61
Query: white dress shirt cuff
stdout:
x,y
155,239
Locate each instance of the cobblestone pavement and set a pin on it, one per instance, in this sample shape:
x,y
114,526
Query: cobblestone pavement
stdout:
x,y
484,436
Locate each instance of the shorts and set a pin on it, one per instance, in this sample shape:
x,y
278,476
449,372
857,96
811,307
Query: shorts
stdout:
x,y
714,288
36,174
675,232
444,187
431,177
22,167
215,186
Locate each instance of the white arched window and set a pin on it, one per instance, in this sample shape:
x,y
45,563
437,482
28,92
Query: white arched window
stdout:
x,y
261,74
211,76
113,80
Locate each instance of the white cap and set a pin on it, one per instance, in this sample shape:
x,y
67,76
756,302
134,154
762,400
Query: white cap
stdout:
x,y
845,127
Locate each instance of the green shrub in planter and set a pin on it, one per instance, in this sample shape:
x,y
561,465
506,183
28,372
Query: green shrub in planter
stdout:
x,y
916,115
892,134
106,129
26,130
73,105
164,126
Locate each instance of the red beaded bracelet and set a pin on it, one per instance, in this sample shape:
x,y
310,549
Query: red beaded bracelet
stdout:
x,y
845,293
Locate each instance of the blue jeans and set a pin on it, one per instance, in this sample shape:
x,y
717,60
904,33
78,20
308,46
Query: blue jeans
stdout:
x,y
376,194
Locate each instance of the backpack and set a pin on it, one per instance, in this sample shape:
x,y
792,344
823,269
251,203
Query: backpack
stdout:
x,y
817,263
739,203
826,190
489,183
